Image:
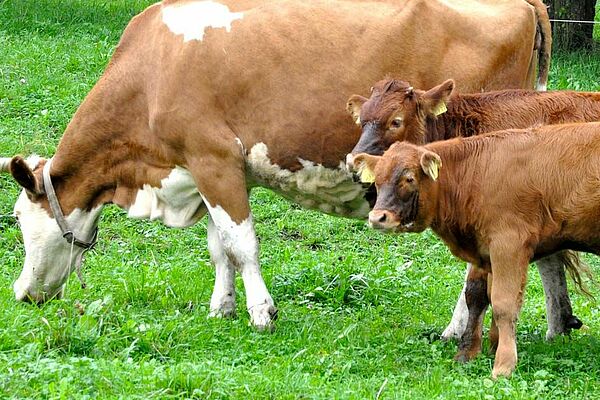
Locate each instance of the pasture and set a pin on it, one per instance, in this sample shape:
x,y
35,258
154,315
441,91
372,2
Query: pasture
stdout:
x,y
359,312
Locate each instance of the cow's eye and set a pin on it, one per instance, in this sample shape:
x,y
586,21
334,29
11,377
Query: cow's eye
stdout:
x,y
396,123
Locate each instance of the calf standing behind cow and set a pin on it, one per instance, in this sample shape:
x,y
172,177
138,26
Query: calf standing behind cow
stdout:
x,y
498,201
396,111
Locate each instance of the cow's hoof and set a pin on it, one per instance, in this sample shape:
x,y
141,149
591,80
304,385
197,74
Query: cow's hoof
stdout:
x,y
505,372
263,316
223,307
222,313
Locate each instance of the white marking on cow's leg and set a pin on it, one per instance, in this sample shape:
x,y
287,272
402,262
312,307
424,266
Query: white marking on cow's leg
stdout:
x,y
541,87
241,246
558,304
222,301
460,316
191,19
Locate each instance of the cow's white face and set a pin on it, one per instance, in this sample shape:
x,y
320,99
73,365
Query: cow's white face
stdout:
x,y
49,258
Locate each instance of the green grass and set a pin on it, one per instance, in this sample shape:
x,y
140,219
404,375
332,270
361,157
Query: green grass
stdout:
x,y
359,312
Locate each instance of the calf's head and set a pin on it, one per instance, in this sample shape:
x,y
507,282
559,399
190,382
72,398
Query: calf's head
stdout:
x,y
49,257
394,112
405,178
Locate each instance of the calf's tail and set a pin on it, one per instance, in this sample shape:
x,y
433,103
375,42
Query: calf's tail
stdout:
x,y
543,42
576,268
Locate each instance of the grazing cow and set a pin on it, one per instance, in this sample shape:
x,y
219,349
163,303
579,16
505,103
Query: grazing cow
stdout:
x,y
498,201
203,100
396,111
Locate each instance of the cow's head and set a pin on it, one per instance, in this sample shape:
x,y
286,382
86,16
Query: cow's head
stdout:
x,y
49,257
405,177
394,112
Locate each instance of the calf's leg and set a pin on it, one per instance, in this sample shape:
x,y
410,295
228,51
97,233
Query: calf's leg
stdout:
x,y
509,269
460,316
477,301
559,313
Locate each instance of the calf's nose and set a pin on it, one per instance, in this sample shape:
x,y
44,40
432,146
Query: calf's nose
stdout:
x,y
381,219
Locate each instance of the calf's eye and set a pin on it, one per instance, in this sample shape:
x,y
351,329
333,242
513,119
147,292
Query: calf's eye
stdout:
x,y
396,123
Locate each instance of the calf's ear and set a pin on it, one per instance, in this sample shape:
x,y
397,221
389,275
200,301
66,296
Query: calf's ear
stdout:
x,y
353,106
24,176
365,165
434,100
431,164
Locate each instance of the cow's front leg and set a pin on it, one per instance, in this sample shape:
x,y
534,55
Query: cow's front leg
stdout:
x,y
476,296
219,172
460,316
559,313
509,275
222,301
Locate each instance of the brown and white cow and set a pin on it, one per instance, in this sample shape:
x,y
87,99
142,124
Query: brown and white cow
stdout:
x,y
203,100
397,111
499,201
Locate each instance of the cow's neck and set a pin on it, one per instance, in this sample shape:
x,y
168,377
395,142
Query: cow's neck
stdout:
x,y
102,158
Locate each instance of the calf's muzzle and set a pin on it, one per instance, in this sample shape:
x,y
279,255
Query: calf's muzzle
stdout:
x,y
383,220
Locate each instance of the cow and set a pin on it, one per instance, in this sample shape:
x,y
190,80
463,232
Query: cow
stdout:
x,y
397,111
203,100
498,201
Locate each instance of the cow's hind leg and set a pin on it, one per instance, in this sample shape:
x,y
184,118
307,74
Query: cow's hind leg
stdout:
x,y
222,301
476,296
559,313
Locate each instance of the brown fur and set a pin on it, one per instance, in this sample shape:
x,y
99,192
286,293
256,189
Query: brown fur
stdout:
x,y
467,114
501,201
162,102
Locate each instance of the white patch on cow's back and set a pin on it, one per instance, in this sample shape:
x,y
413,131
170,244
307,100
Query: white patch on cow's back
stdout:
x,y
48,257
332,191
176,202
191,19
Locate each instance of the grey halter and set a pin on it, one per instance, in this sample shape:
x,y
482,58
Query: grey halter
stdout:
x,y
62,222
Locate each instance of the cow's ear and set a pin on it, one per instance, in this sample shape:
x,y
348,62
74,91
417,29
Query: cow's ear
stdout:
x,y
431,164
353,106
24,176
365,165
435,99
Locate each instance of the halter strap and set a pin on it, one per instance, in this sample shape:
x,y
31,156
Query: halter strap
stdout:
x,y
58,214
60,219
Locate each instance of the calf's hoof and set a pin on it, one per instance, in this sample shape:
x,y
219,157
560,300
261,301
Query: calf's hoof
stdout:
x,y
263,316
502,371
574,323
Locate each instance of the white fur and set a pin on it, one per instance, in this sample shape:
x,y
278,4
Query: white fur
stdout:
x,y
460,316
47,253
191,19
222,301
541,87
314,186
177,203
238,242
4,163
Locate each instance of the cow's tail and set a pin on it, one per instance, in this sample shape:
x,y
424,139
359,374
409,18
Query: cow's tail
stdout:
x,y
576,268
543,42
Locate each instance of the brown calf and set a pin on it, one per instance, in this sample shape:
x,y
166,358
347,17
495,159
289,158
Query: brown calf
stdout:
x,y
395,111
500,201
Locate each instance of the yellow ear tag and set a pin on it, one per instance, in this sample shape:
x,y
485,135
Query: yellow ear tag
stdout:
x,y
440,108
366,174
433,171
